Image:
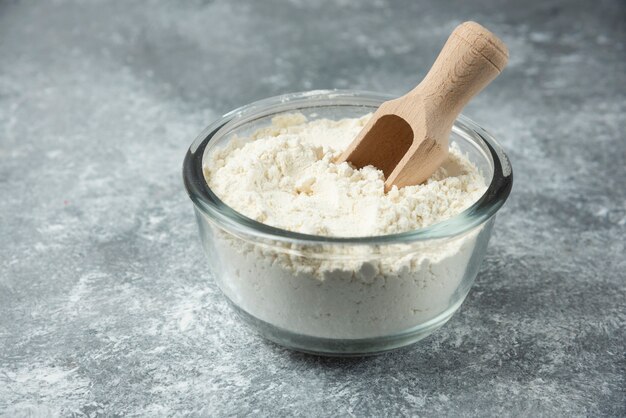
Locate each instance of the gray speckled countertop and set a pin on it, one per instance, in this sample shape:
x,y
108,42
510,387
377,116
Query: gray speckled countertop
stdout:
x,y
106,304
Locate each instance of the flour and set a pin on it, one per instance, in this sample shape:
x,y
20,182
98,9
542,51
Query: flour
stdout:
x,y
284,175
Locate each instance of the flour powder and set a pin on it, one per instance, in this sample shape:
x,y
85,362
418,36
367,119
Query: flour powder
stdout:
x,y
285,175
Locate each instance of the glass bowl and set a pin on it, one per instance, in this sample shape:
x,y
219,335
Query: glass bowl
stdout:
x,y
343,296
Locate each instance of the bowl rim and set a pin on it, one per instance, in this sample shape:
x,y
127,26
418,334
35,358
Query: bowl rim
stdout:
x,y
240,225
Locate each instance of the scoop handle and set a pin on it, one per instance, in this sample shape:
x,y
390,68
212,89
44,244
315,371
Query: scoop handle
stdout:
x,y
470,59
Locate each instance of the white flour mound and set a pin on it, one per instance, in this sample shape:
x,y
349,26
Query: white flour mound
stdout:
x,y
284,176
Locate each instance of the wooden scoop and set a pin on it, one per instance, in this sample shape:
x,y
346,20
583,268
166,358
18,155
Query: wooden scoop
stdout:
x,y
407,138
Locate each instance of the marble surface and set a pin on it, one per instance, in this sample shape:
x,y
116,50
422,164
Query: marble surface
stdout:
x,y
106,303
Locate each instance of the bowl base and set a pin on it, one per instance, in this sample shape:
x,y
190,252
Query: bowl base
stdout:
x,y
335,347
